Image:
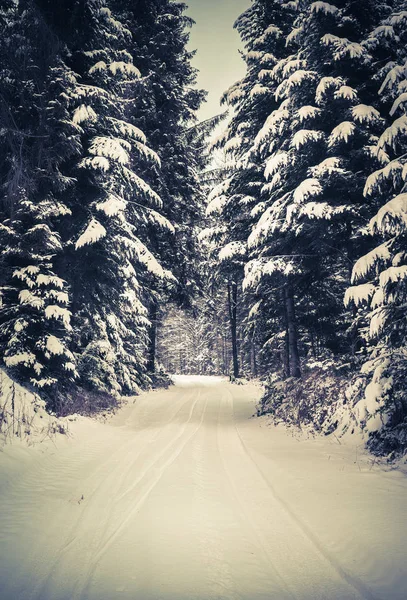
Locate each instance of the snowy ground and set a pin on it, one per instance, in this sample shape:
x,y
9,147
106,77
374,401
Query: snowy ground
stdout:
x,y
182,496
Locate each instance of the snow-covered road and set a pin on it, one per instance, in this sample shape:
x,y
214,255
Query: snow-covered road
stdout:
x,y
182,496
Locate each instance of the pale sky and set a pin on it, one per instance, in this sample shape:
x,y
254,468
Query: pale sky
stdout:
x,y
217,45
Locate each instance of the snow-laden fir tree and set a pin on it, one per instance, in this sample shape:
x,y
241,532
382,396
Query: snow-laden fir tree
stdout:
x,y
37,137
118,213
317,148
114,212
165,110
380,276
233,202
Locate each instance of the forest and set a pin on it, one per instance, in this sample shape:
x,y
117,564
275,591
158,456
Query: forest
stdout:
x,y
267,242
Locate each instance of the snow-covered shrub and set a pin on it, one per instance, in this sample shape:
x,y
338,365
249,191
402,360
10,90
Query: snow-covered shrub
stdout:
x,y
318,400
23,414
331,400
381,405
160,379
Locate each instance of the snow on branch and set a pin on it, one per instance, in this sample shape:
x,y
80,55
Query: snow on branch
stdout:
x,y
84,114
216,206
327,167
150,262
364,266
393,171
160,220
323,7
220,189
399,18
392,217
271,127
399,102
365,114
359,294
275,163
114,148
125,129
377,322
22,358
296,80
346,92
326,85
257,269
341,133
112,206
304,136
99,163
142,187
30,299
231,251
54,345
392,134
393,275
306,113
393,76
307,188
92,234
147,153
53,311
116,68
344,48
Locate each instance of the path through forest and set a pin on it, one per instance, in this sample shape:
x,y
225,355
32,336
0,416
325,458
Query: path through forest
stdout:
x,y
183,496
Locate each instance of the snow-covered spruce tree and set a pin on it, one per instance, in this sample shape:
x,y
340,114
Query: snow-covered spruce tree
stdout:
x,y
380,276
317,147
165,110
37,137
115,213
263,28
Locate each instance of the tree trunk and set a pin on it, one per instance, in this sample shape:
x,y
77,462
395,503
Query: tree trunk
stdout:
x,y
152,342
254,359
232,303
295,368
286,350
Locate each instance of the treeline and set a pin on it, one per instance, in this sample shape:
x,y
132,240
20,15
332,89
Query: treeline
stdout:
x,y
309,218
99,188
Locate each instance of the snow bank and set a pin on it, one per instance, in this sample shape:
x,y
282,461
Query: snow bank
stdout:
x,y
23,416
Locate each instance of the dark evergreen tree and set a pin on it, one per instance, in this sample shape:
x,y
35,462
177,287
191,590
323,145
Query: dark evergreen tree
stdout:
x,y
111,243
317,148
380,290
37,137
263,28
85,221
165,110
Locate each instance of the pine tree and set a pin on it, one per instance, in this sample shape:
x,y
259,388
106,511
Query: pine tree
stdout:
x,y
262,28
317,150
165,110
112,248
381,274
37,138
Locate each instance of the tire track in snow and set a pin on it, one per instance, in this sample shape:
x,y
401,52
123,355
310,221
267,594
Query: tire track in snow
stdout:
x,y
207,531
285,590
351,580
73,537
82,587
